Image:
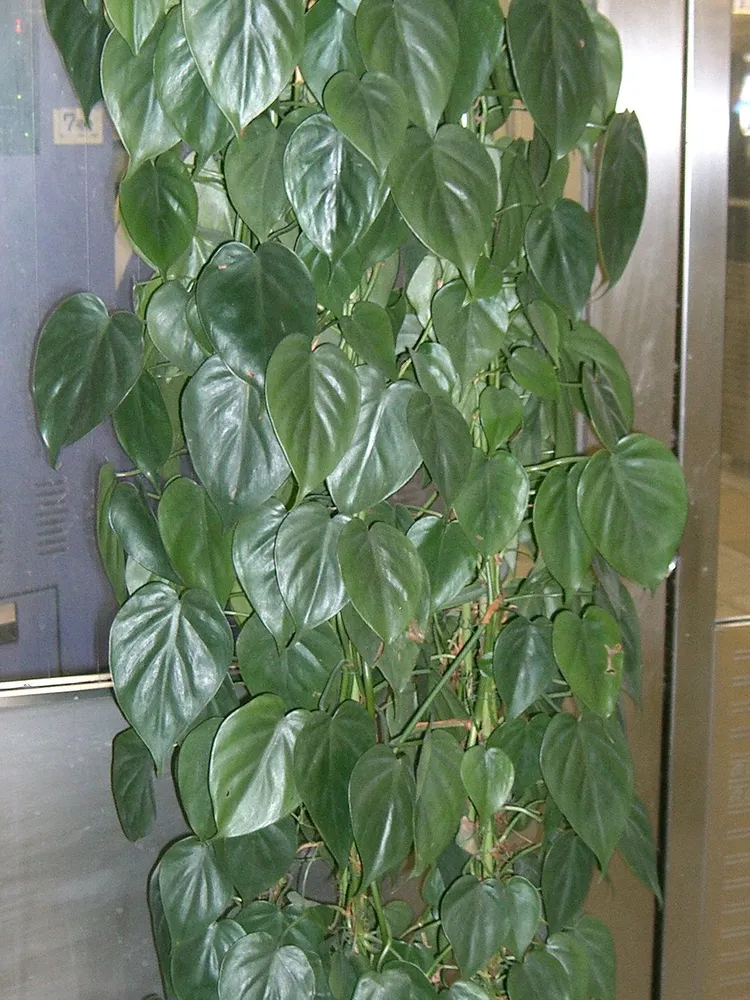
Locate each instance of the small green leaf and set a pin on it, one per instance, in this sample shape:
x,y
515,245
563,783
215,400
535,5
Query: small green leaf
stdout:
x,y
501,413
132,521
369,332
522,741
475,920
585,344
523,663
256,861
565,546
108,543
467,991
638,849
256,968
330,45
620,194
525,908
168,327
135,19
391,984
440,796
143,427
194,890
564,947
534,372
492,505
133,784
254,561
196,960
589,653
561,248
370,112
613,596
253,171
79,32
448,555
444,440
480,35
596,940
566,877
192,778
487,775
539,975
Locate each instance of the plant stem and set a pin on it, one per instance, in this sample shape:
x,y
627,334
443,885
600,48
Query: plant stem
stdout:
x,y
553,462
385,931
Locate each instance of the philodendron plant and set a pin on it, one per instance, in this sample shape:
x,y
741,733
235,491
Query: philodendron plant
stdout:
x,y
392,712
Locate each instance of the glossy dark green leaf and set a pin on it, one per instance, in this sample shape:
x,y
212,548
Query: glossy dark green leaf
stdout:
x,y
596,940
603,406
230,439
492,504
523,663
446,190
560,534
384,577
249,302
86,362
335,191
257,968
256,861
539,975
381,804
371,113
487,774
132,521
440,796
448,555
480,35
534,372
544,321
251,777
501,413
561,247
620,194
555,62
133,784
192,778
391,984
585,344
253,171
434,369
194,538
467,991
313,400
79,33
369,332
563,947
472,328
143,427
168,657
475,920
253,554
525,909
382,455
519,199
330,45
246,51
588,651
326,752
168,328
135,19
194,890
444,441
522,742
633,505
638,849
613,596
131,98
108,542
416,43
587,768
182,92
196,960
610,67
566,877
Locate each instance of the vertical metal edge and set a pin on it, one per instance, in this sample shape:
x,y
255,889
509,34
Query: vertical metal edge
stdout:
x,y
698,419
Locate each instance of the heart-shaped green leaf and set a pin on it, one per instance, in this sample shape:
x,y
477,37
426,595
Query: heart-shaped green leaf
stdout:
x,y
251,776
620,193
326,752
492,504
256,861
194,889
584,344
79,32
472,328
330,45
132,521
501,413
441,796
168,327
254,175
566,877
534,372
256,968
589,653
539,975
596,940
603,406
525,908
523,663
487,774
416,43
335,191
86,362
448,555
246,51
561,247
633,504
566,547
143,427
135,19
108,543
192,778
519,198
168,655
434,369
230,439
249,302
382,455
444,441
370,112
446,190
391,984
638,849
253,552
481,28
369,332
196,960
522,741
133,784
555,62
313,400
381,803
587,768
475,920
563,947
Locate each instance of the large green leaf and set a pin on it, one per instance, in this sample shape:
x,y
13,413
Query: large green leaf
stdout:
x,y
561,247
416,43
381,803
596,940
472,327
475,920
369,332
487,774
182,92
168,327
384,577
251,777
382,455
230,439
564,947
326,752
143,427
566,877
131,98
254,561
335,191
246,51
330,45
192,778
440,796
448,555
257,968
133,784
565,546
633,504
79,32
492,504
195,540
135,19
194,890
523,663
620,193
253,171
480,36
86,362
587,768
444,441
370,112
555,62
313,400
196,960
539,975
446,190
132,521
168,656
589,653
249,302
637,847
256,861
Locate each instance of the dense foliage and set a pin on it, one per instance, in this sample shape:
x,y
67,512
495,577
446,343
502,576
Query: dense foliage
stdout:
x,y
393,716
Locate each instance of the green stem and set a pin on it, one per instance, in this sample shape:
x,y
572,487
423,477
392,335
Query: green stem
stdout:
x,y
385,931
553,462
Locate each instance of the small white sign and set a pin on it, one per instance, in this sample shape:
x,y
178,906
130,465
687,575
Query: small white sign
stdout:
x,y
69,127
